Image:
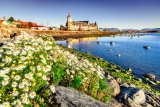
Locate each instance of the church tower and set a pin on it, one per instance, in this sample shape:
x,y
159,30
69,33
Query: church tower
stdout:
x,y
69,21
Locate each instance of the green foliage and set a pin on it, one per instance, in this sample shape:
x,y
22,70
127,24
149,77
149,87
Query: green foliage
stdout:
x,y
11,19
77,82
103,85
58,72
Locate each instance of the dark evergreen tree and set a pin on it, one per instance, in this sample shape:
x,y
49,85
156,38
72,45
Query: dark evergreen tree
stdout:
x,y
11,19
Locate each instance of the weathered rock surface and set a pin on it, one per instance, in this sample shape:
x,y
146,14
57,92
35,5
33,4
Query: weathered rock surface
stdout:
x,y
132,97
114,85
147,105
68,97
114,103
150,76
152,99
119,81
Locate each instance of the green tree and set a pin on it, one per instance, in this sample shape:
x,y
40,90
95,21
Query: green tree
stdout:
x,y
11,19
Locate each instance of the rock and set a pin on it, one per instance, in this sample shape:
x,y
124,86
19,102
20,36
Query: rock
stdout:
x,y
125,85
1,44
152,99
146,47
118,55
146,105
132,97
150,76
69,97
98,42
111,43
110,50
114,85
13,35
119,81
114,103
129,70
157,82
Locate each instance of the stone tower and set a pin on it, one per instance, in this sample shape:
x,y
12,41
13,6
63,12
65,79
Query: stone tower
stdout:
x,y
69,21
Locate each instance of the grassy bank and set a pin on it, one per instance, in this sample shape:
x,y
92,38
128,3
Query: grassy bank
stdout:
x,y
116,71
31,67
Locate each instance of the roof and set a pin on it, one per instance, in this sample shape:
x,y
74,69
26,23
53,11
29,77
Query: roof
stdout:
x,y
83,21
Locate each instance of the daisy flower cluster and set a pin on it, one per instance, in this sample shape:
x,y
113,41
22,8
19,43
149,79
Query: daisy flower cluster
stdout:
x,y
25,65
30,65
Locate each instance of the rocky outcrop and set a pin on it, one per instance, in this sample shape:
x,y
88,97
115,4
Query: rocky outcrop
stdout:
x,y
69,97
132,97
114,103
152,99
8,32
114,85
150,76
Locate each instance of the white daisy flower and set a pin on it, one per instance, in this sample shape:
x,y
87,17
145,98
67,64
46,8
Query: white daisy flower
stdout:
x,y
26,89
6,104
17,102
25,101
21,86
24,96
32,94
44,77
5,82
17,77
14,84
15,93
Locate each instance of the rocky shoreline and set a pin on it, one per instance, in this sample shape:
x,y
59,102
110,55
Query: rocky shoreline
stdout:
x,y
126,93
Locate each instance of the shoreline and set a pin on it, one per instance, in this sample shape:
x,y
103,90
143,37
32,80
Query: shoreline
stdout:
x,y
69,34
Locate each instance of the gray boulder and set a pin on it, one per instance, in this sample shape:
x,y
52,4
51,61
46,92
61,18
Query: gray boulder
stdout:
x,y
132,97
68,97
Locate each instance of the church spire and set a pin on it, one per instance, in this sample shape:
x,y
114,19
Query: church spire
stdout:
x,y
69,14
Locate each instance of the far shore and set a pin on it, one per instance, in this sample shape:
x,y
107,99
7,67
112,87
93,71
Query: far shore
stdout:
x,y
63,34
60,34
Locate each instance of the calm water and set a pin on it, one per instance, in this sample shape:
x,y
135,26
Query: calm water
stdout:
x,y
132,53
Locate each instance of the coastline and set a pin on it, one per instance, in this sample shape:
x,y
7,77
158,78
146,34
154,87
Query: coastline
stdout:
x,y
60,34
114,70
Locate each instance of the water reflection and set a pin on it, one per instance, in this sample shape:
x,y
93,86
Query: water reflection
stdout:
x,y
71,41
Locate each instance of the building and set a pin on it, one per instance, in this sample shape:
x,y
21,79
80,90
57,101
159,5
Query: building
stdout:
x,y
80,25
39,28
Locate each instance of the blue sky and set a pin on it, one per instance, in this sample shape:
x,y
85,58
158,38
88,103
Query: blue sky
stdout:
x,y
107,13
